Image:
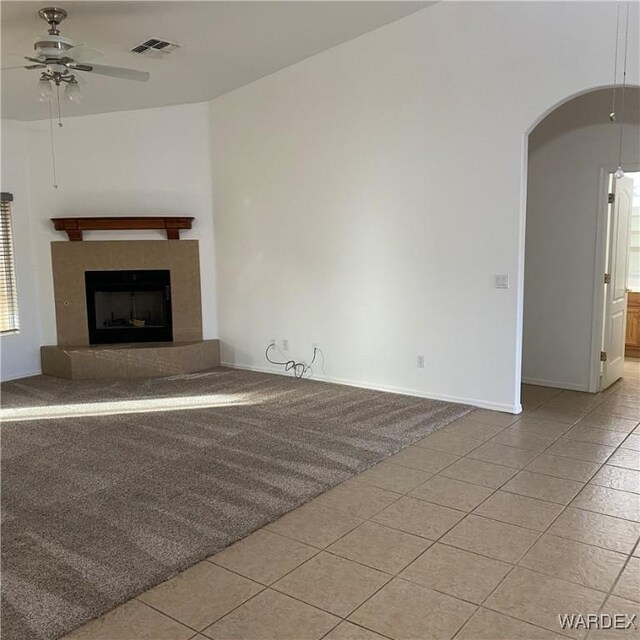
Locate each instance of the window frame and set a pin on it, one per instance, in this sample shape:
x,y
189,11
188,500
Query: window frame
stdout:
x,y
9,318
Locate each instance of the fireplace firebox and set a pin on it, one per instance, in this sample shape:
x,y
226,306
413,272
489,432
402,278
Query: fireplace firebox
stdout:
x,y
129,306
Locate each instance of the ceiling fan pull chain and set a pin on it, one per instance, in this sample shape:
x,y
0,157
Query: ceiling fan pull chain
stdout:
x,y
624,84
58,100
53,151
612,114
620,171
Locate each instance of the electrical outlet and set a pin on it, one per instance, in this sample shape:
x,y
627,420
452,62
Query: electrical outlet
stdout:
x,y
501,280
315,345
420,362
285,344
273,341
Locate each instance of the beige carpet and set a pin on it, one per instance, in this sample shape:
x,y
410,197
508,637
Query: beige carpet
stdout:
x,y
158,474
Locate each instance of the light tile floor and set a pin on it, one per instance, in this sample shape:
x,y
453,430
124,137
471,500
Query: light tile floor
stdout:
x,y
485,530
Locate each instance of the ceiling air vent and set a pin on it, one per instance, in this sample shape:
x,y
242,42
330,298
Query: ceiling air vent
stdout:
x,y
154,47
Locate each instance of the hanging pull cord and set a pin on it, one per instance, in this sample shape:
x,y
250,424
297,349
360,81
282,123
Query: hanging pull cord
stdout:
x,y
624,84
612,114
53,150
58,100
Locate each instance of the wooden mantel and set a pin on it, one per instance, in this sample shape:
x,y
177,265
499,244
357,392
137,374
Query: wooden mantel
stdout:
x,y
75,226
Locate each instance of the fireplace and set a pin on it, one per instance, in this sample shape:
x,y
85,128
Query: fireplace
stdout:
x,y
129,306
100,306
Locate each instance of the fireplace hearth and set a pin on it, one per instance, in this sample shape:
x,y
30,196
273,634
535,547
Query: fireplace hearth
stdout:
x,y
129,306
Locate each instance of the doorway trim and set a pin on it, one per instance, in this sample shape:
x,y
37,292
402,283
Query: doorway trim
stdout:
x,y
597,317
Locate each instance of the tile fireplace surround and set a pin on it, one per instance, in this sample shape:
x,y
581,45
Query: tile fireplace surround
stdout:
x,y
73,356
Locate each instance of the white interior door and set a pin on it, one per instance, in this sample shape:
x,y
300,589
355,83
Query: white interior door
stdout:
x,y
615,307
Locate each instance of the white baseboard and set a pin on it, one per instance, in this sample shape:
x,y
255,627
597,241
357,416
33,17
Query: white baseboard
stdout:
x,y
17,376
555,384
494,406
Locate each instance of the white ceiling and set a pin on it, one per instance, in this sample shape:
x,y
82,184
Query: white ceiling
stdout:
x,y
224,45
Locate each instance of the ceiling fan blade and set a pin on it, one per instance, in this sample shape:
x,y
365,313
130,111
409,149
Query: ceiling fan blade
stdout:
x,y
22,66
114,72
33,60
82,53
77,66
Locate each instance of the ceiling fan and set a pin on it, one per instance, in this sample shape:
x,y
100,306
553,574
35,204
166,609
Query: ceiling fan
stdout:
x,y
60,59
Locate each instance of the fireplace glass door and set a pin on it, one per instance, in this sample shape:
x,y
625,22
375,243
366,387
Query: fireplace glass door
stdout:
x,y
129,306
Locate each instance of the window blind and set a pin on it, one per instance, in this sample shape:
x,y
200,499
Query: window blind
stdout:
x,y
8,295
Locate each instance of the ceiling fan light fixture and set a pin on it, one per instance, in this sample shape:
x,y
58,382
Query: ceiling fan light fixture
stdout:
x,y
44,89
72,92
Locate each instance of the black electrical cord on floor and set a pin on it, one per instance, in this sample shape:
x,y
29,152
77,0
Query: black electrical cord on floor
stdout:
x,y
298,368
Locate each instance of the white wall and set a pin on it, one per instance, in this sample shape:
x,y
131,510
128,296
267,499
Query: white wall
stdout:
x,y
567,151
152,161
365,196
20,352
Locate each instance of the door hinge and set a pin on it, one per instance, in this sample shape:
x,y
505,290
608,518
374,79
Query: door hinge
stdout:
x,y
603,356
612,198
607,278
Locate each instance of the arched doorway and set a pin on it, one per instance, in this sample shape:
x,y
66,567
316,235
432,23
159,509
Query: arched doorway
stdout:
x,y
572,152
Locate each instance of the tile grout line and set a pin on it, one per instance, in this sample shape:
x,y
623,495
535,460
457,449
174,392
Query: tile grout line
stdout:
x,y
269,586
539,535
565,507
610,593
501,487
437,541
136,598
391,576
318,552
